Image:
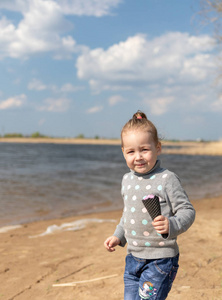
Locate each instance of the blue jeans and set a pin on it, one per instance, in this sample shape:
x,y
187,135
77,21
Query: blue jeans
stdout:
x,y
149,278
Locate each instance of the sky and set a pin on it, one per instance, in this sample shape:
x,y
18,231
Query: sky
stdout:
x,y
71,67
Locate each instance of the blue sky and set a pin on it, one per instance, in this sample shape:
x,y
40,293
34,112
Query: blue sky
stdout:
x,y
71,67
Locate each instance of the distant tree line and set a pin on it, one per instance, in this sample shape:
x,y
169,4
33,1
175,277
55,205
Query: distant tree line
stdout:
x,y
37,135
81,136
20,135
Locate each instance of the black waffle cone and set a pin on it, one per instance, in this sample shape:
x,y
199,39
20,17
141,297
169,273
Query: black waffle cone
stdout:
x,y
152,206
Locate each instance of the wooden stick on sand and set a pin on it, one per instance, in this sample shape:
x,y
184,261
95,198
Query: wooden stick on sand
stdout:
x,y
84,281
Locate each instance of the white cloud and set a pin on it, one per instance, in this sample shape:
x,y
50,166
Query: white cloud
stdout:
x,y
175,67
38,31
180,57
159,106
69,88
55,105
111,86
13,102
113,100
94,109
14,5
36,85
43,25
96,8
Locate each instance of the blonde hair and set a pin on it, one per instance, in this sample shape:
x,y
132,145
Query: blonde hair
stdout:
x,y
140,121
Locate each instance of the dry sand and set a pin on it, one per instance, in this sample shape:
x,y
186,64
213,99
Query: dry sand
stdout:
x,y
30,266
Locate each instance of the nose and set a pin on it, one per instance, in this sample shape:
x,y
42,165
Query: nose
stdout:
x,y
138,155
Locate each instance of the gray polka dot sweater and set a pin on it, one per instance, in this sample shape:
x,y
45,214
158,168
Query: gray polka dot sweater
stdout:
x,y
135,227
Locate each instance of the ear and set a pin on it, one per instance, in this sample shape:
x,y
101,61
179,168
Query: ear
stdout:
x,y
159,148
123,151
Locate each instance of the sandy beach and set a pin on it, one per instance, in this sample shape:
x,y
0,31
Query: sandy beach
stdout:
x,y
30,267
34,265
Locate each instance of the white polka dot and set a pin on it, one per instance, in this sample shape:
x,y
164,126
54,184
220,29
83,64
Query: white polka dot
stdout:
x,y
128,187
133,232
161,243
125,197
146,233
131,176
125,231
140,178
144,210
123,188
134,198
125,208
164,175
135,243
124,220
132,221
147,244
137,187
133,209
126,176
148,187
153,177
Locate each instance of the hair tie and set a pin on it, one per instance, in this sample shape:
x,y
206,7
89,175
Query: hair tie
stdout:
x,y
139,117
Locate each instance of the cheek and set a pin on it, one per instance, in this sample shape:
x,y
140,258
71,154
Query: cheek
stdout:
x,y
151,157
129,160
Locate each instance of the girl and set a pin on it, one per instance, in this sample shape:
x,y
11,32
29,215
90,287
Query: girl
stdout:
x,y
152,251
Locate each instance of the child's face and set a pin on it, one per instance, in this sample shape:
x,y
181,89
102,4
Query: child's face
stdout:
x,y
140,150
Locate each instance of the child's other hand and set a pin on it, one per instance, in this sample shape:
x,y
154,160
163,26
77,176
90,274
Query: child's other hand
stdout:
x,y
161,224
111,242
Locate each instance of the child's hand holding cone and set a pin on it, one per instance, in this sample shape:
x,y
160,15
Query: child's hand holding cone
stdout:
x,y
160,223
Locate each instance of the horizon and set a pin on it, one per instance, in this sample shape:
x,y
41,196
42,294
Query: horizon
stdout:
x,y
39,135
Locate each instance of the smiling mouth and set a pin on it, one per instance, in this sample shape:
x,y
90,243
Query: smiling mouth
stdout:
x,y
140,165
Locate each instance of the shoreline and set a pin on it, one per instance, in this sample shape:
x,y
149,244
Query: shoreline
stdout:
x,y
169,147
96,210
31,266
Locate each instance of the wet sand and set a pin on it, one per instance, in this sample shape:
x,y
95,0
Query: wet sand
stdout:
x,y
31,266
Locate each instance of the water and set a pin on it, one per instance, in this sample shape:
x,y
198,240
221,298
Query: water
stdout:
x,y
42,181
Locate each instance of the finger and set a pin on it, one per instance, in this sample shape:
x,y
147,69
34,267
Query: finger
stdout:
x,y
107,243
159,218
112,249
111,244
157,224
106,246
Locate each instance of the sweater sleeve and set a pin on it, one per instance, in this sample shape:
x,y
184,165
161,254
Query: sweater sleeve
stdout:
x,y
182,210
119,232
